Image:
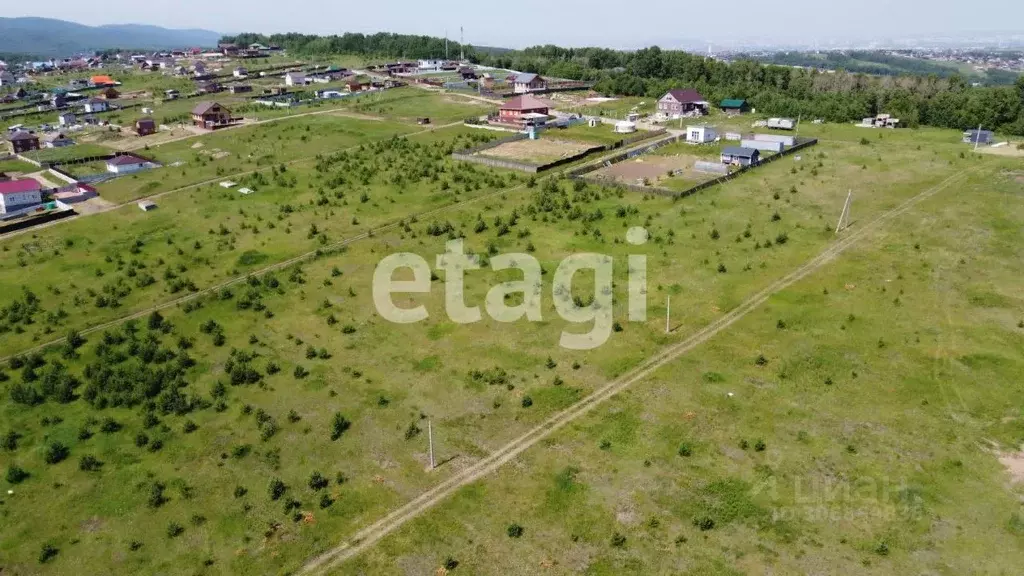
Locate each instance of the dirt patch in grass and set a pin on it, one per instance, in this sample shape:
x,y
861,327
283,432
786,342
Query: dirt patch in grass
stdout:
x,y
653,168
1014,464
541,151
1010,150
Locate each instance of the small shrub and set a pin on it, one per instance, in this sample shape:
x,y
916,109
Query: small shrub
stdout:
x,y
760,446
277,489
685,450
16,474
618,540
339,424
514,531
174,530
240,491
527,402
317,481
56,452
47,553
89,463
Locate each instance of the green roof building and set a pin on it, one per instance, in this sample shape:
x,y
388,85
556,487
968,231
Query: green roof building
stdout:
x,y
734,105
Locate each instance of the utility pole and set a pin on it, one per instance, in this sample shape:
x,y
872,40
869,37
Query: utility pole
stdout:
x,y
668,312
977,138
445,43
462,46
430,438
844,218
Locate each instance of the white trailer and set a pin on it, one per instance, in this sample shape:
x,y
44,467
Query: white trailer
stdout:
x,y
782,123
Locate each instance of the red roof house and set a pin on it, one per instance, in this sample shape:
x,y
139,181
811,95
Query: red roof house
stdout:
x,y
20,193
516,108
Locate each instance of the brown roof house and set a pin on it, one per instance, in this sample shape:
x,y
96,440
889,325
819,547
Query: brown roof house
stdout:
x,y
210,115
522,108
145,126
22,141
682,102
111,94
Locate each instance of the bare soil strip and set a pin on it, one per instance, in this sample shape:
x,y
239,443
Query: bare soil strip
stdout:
x,y
370,535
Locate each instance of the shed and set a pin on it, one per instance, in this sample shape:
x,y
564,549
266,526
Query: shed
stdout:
x,y
763,145
786,140
740,155
700,134
978,137
147,205
734,105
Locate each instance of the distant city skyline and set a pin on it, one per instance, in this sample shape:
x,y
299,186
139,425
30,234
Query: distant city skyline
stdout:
x,y
669,24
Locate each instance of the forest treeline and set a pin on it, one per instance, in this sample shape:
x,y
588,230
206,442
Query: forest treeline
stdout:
x,y
917,99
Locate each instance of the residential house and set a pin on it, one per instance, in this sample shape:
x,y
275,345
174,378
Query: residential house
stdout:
x,y
126,164
210,115
978,137
357,86
228,49
682,102
198,68
22,141
523,83
429,65
734,106
58,100
741,156
102,80
66,119
6,78
110,94
171,94
295,79
19,194
93,105
467,73
240,72
523,108
145,126
57,140
700,134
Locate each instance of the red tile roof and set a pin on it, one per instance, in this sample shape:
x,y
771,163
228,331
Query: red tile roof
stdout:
x,y
525,102
19,185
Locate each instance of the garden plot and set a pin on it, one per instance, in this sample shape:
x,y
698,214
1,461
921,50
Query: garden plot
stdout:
x,y
536,152
654,169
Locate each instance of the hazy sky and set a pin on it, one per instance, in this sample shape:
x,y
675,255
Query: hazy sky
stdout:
x,y
519,23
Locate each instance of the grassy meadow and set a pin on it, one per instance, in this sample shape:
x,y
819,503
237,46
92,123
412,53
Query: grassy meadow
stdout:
x,y
850,423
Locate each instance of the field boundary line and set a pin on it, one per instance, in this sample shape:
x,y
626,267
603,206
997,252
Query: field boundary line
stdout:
x,y
370,535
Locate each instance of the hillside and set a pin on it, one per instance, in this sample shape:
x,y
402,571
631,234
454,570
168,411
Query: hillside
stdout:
x,y
46,37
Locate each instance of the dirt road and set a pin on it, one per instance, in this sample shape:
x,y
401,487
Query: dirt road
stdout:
x,y
367,537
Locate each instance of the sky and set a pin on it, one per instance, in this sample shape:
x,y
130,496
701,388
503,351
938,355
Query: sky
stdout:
x,y
520,23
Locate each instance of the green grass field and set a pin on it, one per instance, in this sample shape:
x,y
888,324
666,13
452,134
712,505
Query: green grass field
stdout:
x,y
253,427
74,152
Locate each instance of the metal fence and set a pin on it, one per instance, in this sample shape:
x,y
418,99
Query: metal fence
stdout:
x,y
581,172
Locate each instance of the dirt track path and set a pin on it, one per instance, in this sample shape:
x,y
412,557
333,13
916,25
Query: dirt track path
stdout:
x,y
370,535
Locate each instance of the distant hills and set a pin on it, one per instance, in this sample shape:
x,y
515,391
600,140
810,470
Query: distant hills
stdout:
x,y
47,37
